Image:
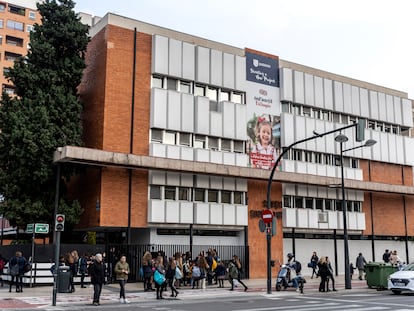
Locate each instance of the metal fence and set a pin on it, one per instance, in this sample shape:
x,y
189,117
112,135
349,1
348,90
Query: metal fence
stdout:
x,y
133,252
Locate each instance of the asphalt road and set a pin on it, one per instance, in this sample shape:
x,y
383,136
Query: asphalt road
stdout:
x,y
364,300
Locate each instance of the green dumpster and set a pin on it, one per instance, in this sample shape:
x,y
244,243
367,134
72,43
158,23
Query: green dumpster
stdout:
x,y
377,274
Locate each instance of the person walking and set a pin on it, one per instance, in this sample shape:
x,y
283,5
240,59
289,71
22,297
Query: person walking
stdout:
x,y
16,267
121,272
314,264
330,275
83,268
171,276
235,272
148,270
159,276
360,265
323,273
97,271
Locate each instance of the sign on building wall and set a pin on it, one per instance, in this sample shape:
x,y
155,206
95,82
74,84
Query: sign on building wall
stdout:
x,y
263,110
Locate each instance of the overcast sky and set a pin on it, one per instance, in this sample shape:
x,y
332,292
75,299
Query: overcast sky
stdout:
x,y
369,40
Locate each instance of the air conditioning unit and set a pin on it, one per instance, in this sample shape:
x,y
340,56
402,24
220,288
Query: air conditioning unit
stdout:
x,y
322,217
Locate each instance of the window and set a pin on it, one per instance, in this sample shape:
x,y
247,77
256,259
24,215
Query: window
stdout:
x,y
309,203
224,95
184,194
308,156
169,193
8,89
317,114
306,111
1,39
325,115
298,202
287,201
357,207
285,107
171,84
11,56
318,158
1,23
212,93
156,135
387,129
155,192
29,28
336,117
237,98
344,119
354,163
185,87
213,143
225,144
199,195
17,10
6,70
297,155
185,139
226,197
371,125
32,15
238,197
380,126
14,41
337,161
14,25
338,205
199,90
328,159
296,110
328,205
394,130
157,82
2,7
349,206
169,138
199,141
213,196
319,204
352,120
238,146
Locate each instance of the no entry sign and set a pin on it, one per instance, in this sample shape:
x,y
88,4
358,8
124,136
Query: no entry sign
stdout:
x,y
267,216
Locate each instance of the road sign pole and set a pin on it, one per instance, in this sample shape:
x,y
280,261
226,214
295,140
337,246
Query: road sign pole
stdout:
x,y
32,261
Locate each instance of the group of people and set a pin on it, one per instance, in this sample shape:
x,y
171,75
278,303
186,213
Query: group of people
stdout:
x,y
18,266
181,270
322,267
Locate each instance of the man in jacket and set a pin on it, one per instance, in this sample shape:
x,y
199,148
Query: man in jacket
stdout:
x,y
360,264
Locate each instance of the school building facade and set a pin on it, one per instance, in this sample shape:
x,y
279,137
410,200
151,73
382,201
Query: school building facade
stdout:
x,y
180,133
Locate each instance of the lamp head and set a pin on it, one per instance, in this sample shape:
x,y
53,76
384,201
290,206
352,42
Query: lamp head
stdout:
x,y
370,142
341,138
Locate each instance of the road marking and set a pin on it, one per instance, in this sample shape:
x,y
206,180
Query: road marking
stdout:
x,y
326,306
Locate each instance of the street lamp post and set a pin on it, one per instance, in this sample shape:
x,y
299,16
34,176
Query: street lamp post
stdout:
x,y
342,139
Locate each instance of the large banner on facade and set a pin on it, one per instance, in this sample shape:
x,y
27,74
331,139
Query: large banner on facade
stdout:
x,y
263,109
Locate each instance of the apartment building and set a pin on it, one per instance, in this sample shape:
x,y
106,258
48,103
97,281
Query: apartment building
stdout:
x,y
17,18
180,133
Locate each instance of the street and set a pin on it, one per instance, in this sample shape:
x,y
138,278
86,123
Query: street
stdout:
x,y
355,300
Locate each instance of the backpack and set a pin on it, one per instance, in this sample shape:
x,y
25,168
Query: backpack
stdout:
x,y
213,265
14,270
298,267
1,265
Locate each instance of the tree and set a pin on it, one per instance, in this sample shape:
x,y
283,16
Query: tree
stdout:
x,y
44,113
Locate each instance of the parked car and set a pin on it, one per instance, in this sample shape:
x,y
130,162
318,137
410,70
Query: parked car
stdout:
x,y
402,280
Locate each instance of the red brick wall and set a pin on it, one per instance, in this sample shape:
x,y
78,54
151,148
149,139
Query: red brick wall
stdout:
x,y
257,192
386,173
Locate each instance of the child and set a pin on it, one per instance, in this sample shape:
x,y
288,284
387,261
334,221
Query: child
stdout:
x,y
263,154
351,269
220,273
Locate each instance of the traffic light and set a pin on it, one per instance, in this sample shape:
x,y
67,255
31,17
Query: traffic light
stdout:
x,y
360,130
60,222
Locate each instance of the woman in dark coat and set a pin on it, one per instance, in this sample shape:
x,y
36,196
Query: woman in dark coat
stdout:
x,y
21,262
97,272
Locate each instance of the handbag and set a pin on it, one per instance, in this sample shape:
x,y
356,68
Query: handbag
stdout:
x,y
27,267
310,265
159,278
178,274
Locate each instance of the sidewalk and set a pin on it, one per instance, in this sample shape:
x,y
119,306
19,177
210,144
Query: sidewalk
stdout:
x,y
41,296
